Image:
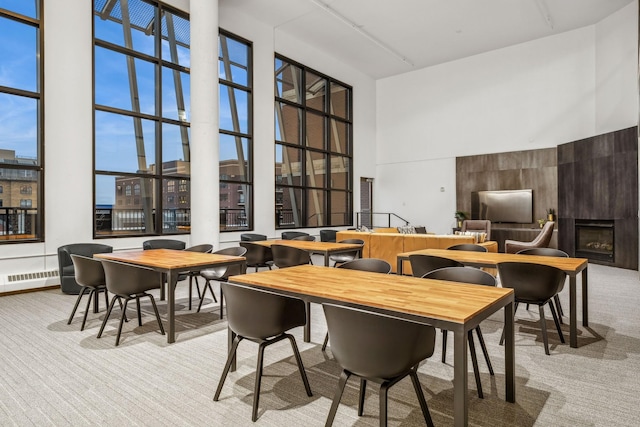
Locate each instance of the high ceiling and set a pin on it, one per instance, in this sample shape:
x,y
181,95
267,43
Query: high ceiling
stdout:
x,y
383,38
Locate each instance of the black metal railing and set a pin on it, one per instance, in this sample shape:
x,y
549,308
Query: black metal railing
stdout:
x,y
378,219
15,221
123,220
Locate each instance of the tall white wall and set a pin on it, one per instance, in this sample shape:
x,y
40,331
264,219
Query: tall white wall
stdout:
x,y
534,95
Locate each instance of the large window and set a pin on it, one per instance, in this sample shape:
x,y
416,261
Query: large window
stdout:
x,y
236,142
21,142
313,122
141,118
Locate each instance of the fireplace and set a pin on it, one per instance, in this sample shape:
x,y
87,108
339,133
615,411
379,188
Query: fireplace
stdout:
x,y
595,240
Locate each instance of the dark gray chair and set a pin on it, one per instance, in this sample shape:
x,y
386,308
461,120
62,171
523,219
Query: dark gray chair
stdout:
x,y
373,265
89,274
328,235
163,244
289,235
533,284
472,247
287,256
220,274
305,238
423,264
257,255
204,248
477,277
549,252
378,348
252,237
129,282
66,271
347,256
262,317
542,240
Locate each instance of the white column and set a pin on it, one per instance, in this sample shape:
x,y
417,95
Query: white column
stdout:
x,y
205,203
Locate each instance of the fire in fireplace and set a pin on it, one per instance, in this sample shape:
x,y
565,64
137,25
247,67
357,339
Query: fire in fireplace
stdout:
x,y
595,240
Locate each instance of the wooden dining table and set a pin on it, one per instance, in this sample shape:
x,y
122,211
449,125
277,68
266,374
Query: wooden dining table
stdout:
x,y
322,248
452,306
173,262
571,266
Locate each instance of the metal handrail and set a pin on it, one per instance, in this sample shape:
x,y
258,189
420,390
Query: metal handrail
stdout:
x,y
367,219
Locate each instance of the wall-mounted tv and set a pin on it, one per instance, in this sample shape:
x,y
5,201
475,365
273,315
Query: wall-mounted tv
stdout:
x,y
503,206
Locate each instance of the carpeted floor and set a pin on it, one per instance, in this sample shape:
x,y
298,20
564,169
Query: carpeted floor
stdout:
x,y
52,374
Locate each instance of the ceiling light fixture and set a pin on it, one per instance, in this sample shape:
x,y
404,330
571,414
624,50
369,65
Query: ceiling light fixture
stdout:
x,y
359,30
544,11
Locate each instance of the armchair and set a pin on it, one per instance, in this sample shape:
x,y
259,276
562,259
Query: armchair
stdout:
x,y
541,241
66,271
479,225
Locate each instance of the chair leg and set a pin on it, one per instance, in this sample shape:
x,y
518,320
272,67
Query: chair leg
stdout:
x,y
256,389
126,301
423,403
384,391
344,376
363,392
227,366
75,307
155,309
326,341
555,320
106,297
543,325
515,308
444,345
484,349
207,285
221,304
303,373
190,293
106,317
474,362
556,298
86,311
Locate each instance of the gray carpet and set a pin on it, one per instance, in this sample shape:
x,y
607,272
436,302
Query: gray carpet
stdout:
x,y
52,374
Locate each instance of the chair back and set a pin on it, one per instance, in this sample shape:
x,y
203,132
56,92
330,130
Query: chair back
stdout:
x,y
468,247
257,255
287,256
258,314
463,275
288,235
542,240
128,279
544,252
373,265
374,345
83,249
205,248
305,238
88,271
532,283
163,244
252,237
328,235
422,264
229,270
479,225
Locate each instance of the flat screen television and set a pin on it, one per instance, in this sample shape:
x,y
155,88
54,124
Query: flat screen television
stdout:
x,y
514,206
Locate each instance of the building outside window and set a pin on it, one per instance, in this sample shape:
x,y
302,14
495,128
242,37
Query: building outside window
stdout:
x,y
21,137
314,150
236,132
141,116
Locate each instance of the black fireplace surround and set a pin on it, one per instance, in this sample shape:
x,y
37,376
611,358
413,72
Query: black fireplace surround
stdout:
x,y
595,240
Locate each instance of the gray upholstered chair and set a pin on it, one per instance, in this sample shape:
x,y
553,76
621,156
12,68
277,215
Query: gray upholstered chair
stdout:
x,y
262,317
423,264
533,284
373,265
478,277
221,273
252,237
287,256
305,238
472,247
127,281
541,241
347,256
66,271
257,255
378,348
477,225
288,235
89,274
